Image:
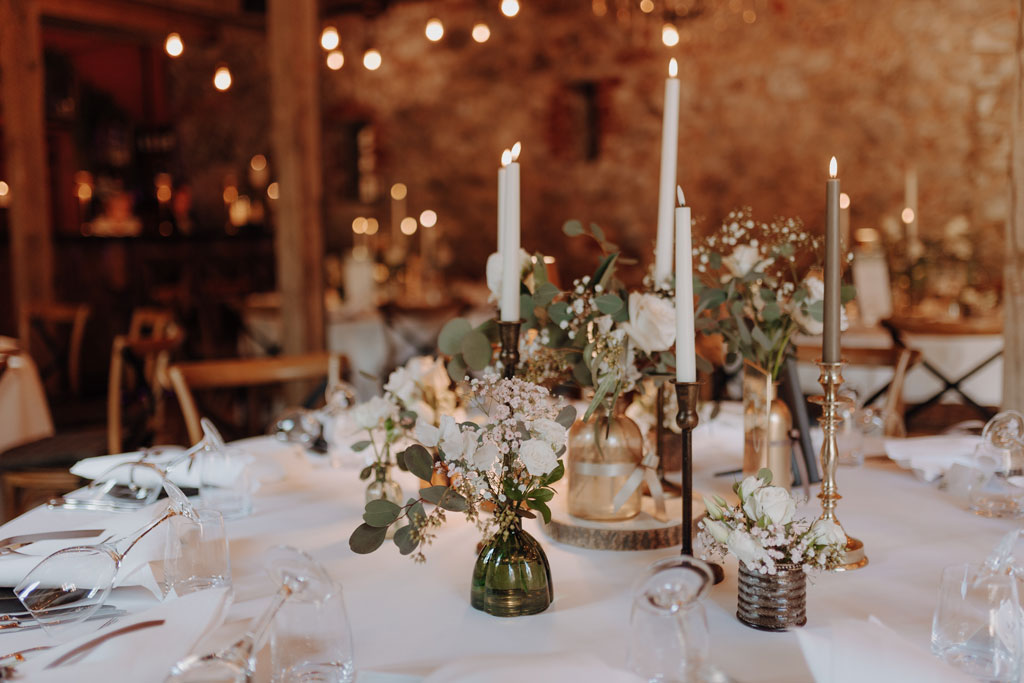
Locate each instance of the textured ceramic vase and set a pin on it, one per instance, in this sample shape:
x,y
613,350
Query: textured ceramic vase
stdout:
x,y
512,576
602,453
766,426
772,602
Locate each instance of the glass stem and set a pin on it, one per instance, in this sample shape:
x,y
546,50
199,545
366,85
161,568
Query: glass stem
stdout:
x,y
258,633
138,535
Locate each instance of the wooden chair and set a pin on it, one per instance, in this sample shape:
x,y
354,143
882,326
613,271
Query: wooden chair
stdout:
x,y
152,323
184,378
24,490
40,323
141,364
900,359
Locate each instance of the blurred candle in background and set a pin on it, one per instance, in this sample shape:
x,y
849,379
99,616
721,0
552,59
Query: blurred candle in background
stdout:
x,y
667,182
510,243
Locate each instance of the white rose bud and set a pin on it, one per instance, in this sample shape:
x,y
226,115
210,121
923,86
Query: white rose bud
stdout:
x,y
746,549
714,512
718,530
771,502
748,486
652,322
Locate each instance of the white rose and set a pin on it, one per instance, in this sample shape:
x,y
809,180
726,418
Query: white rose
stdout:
x,y
746,549
550,431
451,438
773,502
485,457
743,259
494,272
538,457
827,532
815,287
748,486
426,433
372,413
652,322
402,385
718,530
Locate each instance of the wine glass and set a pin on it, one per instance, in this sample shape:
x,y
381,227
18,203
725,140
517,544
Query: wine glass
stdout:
x,y
299,578
68,587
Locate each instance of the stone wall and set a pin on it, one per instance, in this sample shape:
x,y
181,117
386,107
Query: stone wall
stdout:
x,y
881,85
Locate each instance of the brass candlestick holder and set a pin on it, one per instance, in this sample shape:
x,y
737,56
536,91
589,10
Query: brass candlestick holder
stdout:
x,y
508,334
687,419
831,379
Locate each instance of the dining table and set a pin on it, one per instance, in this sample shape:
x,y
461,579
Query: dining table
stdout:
x,y
408,619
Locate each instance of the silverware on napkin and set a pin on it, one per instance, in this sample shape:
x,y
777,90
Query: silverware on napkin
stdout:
x,y
20,541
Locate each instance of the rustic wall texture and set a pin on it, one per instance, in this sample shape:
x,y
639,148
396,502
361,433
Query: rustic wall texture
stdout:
x,y
770,90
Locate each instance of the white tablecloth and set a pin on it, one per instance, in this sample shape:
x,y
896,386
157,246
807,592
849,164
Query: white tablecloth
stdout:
x,y
411,619
24,413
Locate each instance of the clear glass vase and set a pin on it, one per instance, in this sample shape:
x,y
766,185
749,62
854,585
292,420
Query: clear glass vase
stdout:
x,y
512,576
383,487
602,453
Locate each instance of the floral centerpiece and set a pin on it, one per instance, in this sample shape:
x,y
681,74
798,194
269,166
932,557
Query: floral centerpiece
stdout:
x,y
509,463
775,549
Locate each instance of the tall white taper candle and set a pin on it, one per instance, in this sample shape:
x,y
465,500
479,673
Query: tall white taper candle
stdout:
x,y
667,181
510,268
686,358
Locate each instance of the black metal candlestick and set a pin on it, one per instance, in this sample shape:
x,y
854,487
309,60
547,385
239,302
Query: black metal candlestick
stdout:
x,y
508,334
687,419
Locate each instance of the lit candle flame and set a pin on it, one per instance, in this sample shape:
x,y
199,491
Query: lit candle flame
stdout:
x,y
681,196
673,68
516,149
506,157
833,168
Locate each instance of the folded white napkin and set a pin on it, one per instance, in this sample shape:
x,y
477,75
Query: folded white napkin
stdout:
x,y
853,651
144,655
136,569
264,456
551,668
931,456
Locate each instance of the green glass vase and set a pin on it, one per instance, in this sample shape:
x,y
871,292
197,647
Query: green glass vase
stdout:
x,y
512,576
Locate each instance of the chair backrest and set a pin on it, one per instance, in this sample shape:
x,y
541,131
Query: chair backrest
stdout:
x,y
151,357
45,318
155,323
246,372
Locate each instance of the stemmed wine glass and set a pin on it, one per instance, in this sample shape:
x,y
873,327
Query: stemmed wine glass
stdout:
x,y
67,587
300,578
306,427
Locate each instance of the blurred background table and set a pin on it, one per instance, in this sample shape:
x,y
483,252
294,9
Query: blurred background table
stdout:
x,y
24,413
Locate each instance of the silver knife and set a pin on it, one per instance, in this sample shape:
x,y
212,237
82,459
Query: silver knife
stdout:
x,y
15,542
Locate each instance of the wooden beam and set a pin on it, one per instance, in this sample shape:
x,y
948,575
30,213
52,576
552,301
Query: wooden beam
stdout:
x,y
293,30
1013,273
153,20
21,94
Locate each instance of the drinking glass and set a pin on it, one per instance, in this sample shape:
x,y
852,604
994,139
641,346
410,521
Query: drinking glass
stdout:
x,y
978,625
68,587
1000,459
197,557
310,641
668,639
225,481
300,578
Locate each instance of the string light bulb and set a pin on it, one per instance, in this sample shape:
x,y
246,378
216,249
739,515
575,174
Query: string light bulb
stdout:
x,y
428,218
174,45
408,225
481,32
434,30
335,60
222,78
510,8
372,59
329,38
669,35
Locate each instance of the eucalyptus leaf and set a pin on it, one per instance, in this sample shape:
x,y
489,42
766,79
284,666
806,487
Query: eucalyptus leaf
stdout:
x,y
572,228
581,373
609,304
404,540
566,416
433,494
449,342
540,270
817,310
597,232
704,366
360,446
476,350
419,461
771,312
545,294
760,338
366,472
715,260
416,514
848,293
540,507
559,311
381,513
365,539
457,369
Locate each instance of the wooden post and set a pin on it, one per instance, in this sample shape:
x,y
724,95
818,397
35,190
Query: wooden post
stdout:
x,y
294,59
1013,275
24,124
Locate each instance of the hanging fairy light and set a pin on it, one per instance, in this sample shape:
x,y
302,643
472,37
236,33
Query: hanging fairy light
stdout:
x,y
372,59
329,38
434,30
335,60
481,32
174,45
222,78
670,35
510,8
428,218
